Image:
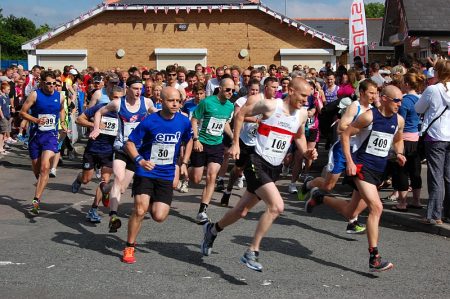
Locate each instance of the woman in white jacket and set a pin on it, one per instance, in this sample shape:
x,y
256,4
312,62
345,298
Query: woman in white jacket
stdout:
x,y
435,104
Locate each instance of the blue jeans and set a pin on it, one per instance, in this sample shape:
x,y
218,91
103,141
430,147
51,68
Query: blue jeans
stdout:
x,y
438,177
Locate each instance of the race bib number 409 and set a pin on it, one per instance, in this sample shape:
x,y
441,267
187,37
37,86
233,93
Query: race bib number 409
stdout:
x,y
379,144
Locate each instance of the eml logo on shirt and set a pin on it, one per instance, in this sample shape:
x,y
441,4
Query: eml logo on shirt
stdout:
x,y
168,138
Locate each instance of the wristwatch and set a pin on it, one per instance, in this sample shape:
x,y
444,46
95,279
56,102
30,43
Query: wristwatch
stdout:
x,y
195,139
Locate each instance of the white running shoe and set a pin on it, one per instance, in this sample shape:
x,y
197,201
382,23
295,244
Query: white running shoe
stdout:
x,y
292,188
240,182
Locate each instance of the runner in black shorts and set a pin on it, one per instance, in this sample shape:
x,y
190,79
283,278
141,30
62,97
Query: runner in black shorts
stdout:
x,y
215,113
366,166
281,122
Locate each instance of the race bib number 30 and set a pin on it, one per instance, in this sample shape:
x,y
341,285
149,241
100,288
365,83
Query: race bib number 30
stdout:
x,y
162,154
111,126
215,126
50,122
128,128
277,145
379,144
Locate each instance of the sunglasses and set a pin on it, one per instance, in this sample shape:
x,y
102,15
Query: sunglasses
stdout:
x,y
396,100
50,83
246,76
229,89
173,74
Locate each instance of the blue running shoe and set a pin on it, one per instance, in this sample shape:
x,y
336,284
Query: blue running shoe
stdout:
x,y
93,216
250,259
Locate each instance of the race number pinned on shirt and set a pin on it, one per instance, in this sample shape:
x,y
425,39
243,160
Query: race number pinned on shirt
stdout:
x,y
379,144
216,126
128,128
49,124
162,154
111,126
277,145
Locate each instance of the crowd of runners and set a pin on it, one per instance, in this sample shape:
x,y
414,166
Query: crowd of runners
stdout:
x,y
166,130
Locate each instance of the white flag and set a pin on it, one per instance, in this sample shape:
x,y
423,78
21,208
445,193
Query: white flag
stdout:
x,y
358,32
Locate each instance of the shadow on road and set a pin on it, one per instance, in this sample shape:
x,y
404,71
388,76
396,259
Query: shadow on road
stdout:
x,y
293,248
183,253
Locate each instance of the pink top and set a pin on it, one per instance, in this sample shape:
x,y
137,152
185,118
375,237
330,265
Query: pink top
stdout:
x,y
407,136
345,90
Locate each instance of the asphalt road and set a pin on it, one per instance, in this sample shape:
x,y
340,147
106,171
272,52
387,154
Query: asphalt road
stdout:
x,y
60,255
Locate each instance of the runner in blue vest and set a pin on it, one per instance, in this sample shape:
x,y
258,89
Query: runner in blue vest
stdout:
x,y
43,108
365,166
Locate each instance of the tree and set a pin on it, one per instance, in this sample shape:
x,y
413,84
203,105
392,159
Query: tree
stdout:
x,y
16,31
374,10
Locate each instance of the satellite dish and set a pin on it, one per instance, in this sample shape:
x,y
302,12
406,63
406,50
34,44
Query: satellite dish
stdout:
x,y
243,53
120,53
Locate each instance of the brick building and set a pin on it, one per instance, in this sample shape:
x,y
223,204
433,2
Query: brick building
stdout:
x,y
156,33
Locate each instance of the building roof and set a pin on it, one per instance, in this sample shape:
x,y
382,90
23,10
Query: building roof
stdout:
x,y
427,16
177,5
339,27
182,2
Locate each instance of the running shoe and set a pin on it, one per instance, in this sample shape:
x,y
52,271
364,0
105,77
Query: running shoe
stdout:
x,y
220,186
202,218
76,185
356,228
208,239
25,145
10,141
35,207
315,198
184,186
240,182
304,190
250,259
225,199
72,155
92,216
21,138
292,188
52,173
376,264
128,255
114,224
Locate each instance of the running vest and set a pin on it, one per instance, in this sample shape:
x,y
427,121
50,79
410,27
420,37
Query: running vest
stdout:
x,y
357,140
374,151
330,95
128,121
248,130
275,134
104,99
47,106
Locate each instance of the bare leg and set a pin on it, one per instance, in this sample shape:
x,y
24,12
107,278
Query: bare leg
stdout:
x,y
141,204
43,173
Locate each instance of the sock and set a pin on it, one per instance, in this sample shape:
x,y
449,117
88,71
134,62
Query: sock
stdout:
x,y
94,206
203,207
111,213
131,244
353,220
373,252
216,229
37,199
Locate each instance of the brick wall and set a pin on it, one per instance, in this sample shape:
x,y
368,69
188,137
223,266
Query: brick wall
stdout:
x,y
223,34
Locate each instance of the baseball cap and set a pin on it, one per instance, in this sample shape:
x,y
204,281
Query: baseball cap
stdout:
x,y
73,72
343,104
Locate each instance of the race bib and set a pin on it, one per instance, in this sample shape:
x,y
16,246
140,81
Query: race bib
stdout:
x,y
216,126
277,145
50,122
379,144
162,154
128,128
111,126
